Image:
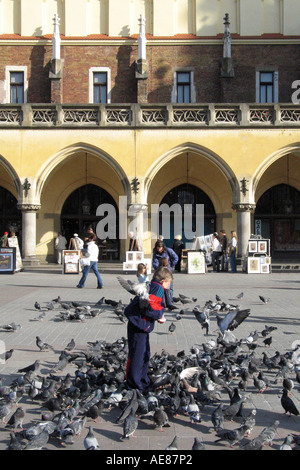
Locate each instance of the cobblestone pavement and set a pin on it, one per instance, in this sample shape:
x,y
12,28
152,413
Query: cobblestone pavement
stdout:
x,y
20,291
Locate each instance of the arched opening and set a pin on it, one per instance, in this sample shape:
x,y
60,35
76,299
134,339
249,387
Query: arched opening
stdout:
x,y
277,217
188,194
10,215
76,217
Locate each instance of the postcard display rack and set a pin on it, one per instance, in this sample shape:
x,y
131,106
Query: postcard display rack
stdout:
x,y
258,259
133,258
71,262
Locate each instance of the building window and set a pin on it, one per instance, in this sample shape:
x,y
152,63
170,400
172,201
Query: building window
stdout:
x,y
183,90
16,87
266,86
183,87
16,84
99,85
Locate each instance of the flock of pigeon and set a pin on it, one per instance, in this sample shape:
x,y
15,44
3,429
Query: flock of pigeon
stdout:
x,y
208,386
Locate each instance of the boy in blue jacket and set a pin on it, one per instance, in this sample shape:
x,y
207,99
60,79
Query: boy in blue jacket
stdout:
x,y
140,324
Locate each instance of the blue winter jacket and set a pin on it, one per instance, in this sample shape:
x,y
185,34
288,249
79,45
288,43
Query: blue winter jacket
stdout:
x,y
169,254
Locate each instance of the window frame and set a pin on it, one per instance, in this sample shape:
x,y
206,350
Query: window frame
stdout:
x,y
93,70
174,94
18,69
259,84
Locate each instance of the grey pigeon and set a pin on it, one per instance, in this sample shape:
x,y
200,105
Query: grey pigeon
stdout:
x,y
217,417
240,296
32,367
232,320
14,443
198,445
233,436
71,345
90,441
268,434
287,443
38,442
5,410
172,328
16,420
130,425
160,418
173,445
264,300
43,346
11,327
250,421
254,444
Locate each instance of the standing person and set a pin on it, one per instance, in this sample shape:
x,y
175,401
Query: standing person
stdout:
x,y
140,324
76,243
133,244
178,246
234,241
60,245
161,251
93,252
4,240
89,232
216,253
224,243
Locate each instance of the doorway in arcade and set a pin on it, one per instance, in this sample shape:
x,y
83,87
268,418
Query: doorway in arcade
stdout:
x,y
79,213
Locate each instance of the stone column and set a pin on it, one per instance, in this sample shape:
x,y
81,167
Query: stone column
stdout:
x,y
29,233
137,224
244,211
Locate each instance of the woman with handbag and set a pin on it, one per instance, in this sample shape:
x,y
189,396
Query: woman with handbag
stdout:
x,y
90,261
233,247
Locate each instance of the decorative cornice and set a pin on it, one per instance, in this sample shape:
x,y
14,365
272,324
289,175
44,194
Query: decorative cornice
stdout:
x,y
243,207
26,207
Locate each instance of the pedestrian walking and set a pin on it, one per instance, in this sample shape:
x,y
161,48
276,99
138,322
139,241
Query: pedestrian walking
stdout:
x,y
91,262
224,243
216,253
140,324
76,243
233,245
60,245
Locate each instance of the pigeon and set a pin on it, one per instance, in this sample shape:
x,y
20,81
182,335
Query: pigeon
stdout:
x,y
139,289
250,421
218,298
90,441
240,296
160,418
255,444
71,345
264,300
32,367
267,330
39,441
8,354
287,404
16,420
43,346
5,410
11,327
14,443
268,434
232,436
172,328
198,445
286,445
130,425
268,341
217,417
232,320
37,305
173,445
202,318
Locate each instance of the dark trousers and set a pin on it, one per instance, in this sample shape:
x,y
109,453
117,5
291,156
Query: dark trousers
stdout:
x,y
215,259
138,358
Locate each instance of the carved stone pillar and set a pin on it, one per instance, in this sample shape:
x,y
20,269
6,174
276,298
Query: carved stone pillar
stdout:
x,y
29,233
244,211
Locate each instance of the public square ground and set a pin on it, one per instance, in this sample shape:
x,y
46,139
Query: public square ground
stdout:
x,y
19,292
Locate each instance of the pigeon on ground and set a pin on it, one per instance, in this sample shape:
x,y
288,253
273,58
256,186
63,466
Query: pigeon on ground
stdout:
x,y
287,404
16,420
217,417
15,443
11,327
202,318
173,445
268,434
71,345
160,418
8,354
255,444
90,441
130,425
198,445
250,421
38,442
240,296
267,330
43,346
172,328
287,443
32,367
232,436
264,300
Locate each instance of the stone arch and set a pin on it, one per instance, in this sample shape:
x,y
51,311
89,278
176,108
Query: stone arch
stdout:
x,y
15,180
69,152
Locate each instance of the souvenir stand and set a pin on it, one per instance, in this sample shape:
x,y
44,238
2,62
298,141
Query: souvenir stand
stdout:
x,y
258,259
71,262
133,258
